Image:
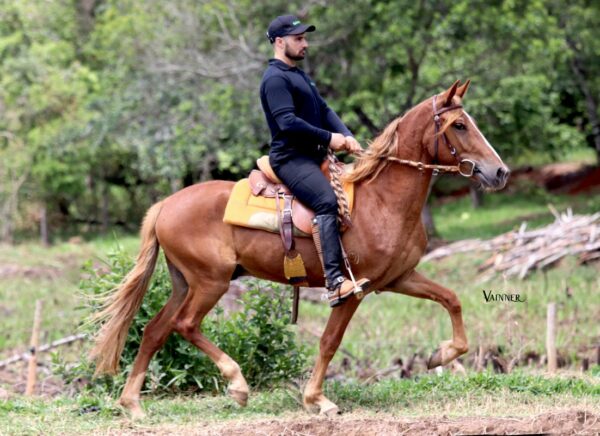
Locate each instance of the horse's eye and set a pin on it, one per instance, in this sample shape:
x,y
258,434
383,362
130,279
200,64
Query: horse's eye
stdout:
x,y
460,126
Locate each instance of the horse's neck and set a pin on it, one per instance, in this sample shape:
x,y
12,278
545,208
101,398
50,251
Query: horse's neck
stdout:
x,y
399,192
403,189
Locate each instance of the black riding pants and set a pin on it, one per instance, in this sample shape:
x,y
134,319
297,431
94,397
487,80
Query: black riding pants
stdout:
x,y
306,181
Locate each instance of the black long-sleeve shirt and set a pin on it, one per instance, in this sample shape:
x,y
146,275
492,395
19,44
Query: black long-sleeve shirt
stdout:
x,y
300,121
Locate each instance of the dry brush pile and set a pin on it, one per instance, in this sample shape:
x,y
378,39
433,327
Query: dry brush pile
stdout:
x,y
518,252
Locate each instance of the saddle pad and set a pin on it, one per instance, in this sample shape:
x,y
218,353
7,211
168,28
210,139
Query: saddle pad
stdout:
x,y
246,210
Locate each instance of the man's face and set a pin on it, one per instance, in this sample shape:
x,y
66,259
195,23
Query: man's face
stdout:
x,y
295,46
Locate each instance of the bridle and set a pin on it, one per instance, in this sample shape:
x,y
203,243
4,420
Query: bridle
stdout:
x,y
438,124
465,167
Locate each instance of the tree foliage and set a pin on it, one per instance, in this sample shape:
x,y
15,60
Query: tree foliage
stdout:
x,y
108,105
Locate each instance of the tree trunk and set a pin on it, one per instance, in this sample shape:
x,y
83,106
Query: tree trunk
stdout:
x,y
8,210
85,16
366,121
174,184
206,168
427,218
591,103
105,208
6,220
44,238
476,197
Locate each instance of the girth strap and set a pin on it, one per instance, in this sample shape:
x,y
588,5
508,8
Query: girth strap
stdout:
x,y
295,302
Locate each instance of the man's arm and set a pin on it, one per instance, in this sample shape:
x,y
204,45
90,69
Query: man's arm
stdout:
x,y
331,120
335,124
281,105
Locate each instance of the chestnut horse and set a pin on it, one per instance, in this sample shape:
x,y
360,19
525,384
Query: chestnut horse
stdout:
x,y
203,253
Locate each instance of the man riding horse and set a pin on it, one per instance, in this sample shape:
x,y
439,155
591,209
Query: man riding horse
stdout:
x,y
303,126
391,181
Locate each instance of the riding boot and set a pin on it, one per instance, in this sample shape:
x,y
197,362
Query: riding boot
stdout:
x,y
327,242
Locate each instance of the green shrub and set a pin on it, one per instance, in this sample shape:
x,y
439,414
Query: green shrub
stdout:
x,y
258,337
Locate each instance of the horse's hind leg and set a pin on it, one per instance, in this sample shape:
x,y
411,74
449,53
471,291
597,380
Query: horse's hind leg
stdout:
x,y
330,341
201,299
417,285
156,333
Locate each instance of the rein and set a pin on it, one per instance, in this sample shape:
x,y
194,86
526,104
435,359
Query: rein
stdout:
x,y
465,167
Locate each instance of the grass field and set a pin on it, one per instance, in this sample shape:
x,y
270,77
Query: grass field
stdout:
x,y
29,271
585,155
386,327
500,213
478,395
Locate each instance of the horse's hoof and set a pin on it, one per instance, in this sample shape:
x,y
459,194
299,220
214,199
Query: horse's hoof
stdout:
x,y
311,408
133,408
137,414
435,360
331,412
240,397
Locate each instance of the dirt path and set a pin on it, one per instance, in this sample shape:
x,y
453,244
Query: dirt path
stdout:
x,y
567,422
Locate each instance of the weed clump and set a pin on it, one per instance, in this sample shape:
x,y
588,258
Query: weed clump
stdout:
x,y
258,337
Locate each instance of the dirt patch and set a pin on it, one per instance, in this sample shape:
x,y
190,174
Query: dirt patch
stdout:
x,y
13,380
568,178
32,272
559,423
588,183
560,178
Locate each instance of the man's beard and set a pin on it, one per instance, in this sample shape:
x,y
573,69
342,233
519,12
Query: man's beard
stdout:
x,y
294,56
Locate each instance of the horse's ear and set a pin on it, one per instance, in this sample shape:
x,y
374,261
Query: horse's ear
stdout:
x,y
447,97
462,89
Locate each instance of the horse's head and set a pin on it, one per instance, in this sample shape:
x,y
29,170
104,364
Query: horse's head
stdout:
x,y
458,140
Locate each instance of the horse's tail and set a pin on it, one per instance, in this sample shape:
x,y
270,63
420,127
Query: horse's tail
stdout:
x,y
121,305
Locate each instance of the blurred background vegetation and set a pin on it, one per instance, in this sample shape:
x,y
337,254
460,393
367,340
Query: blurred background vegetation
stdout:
x,y
109,105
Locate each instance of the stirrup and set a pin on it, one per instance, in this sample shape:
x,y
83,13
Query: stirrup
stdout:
x,y
344,288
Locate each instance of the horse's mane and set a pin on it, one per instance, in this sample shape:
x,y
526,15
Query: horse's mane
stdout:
x,y
374,159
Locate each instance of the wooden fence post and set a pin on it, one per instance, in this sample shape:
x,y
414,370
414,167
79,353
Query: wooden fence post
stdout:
x,y
551,337
35,341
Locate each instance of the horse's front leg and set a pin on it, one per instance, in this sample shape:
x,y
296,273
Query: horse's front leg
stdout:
x,y
331,338
416,285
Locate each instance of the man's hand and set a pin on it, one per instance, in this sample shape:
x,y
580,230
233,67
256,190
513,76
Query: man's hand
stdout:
x,y
352,145
337,142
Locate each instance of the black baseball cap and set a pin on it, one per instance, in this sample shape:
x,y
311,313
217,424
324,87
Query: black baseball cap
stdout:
x,y
287,25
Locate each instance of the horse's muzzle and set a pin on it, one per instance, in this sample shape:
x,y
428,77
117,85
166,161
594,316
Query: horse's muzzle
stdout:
x,y
491,177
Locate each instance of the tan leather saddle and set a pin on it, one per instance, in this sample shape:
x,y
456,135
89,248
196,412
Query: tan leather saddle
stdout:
x,y
264,182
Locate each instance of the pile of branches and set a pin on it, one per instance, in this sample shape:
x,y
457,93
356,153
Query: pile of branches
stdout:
x,y
518,252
